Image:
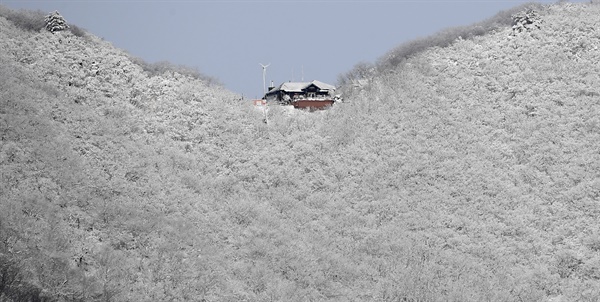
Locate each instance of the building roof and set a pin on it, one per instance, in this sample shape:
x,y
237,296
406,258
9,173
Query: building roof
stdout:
x,y
323,86
299,86
293,86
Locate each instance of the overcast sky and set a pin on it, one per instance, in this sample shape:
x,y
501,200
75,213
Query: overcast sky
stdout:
x,y
228,39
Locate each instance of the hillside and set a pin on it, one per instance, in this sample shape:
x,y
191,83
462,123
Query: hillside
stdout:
x,y
461,173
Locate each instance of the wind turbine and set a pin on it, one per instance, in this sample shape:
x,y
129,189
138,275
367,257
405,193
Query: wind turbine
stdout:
x,y
264,67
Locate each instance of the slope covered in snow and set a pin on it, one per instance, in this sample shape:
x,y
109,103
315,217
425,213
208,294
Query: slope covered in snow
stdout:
x,y
460,173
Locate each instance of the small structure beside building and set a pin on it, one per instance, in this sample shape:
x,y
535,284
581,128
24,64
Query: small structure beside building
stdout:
x,y
305,95
259,103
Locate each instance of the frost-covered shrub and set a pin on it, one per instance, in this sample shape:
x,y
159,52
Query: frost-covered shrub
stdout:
x,y
55,22
77,31
159,68
24,19
360,71
566,263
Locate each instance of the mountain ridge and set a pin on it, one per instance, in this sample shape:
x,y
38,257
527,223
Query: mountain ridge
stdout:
x,y
463,173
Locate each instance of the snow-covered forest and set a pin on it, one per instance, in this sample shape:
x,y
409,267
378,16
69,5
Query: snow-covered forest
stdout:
x,y
458,168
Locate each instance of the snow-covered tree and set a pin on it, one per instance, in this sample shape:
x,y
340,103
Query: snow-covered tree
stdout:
x,y
526,20
55,22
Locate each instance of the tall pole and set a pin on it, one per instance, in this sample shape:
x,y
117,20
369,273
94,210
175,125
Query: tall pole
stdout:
x,y
264,67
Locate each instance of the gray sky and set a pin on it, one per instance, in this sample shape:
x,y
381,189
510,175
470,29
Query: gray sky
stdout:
x,y
228,39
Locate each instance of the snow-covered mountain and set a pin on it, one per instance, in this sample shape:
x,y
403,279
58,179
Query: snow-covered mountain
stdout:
x,y
467,172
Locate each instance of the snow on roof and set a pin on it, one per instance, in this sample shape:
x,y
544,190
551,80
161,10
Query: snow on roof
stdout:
x,y
323,86
293,86
299,86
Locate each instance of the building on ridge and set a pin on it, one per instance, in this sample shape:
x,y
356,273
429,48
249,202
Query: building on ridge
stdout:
x,y
304,95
